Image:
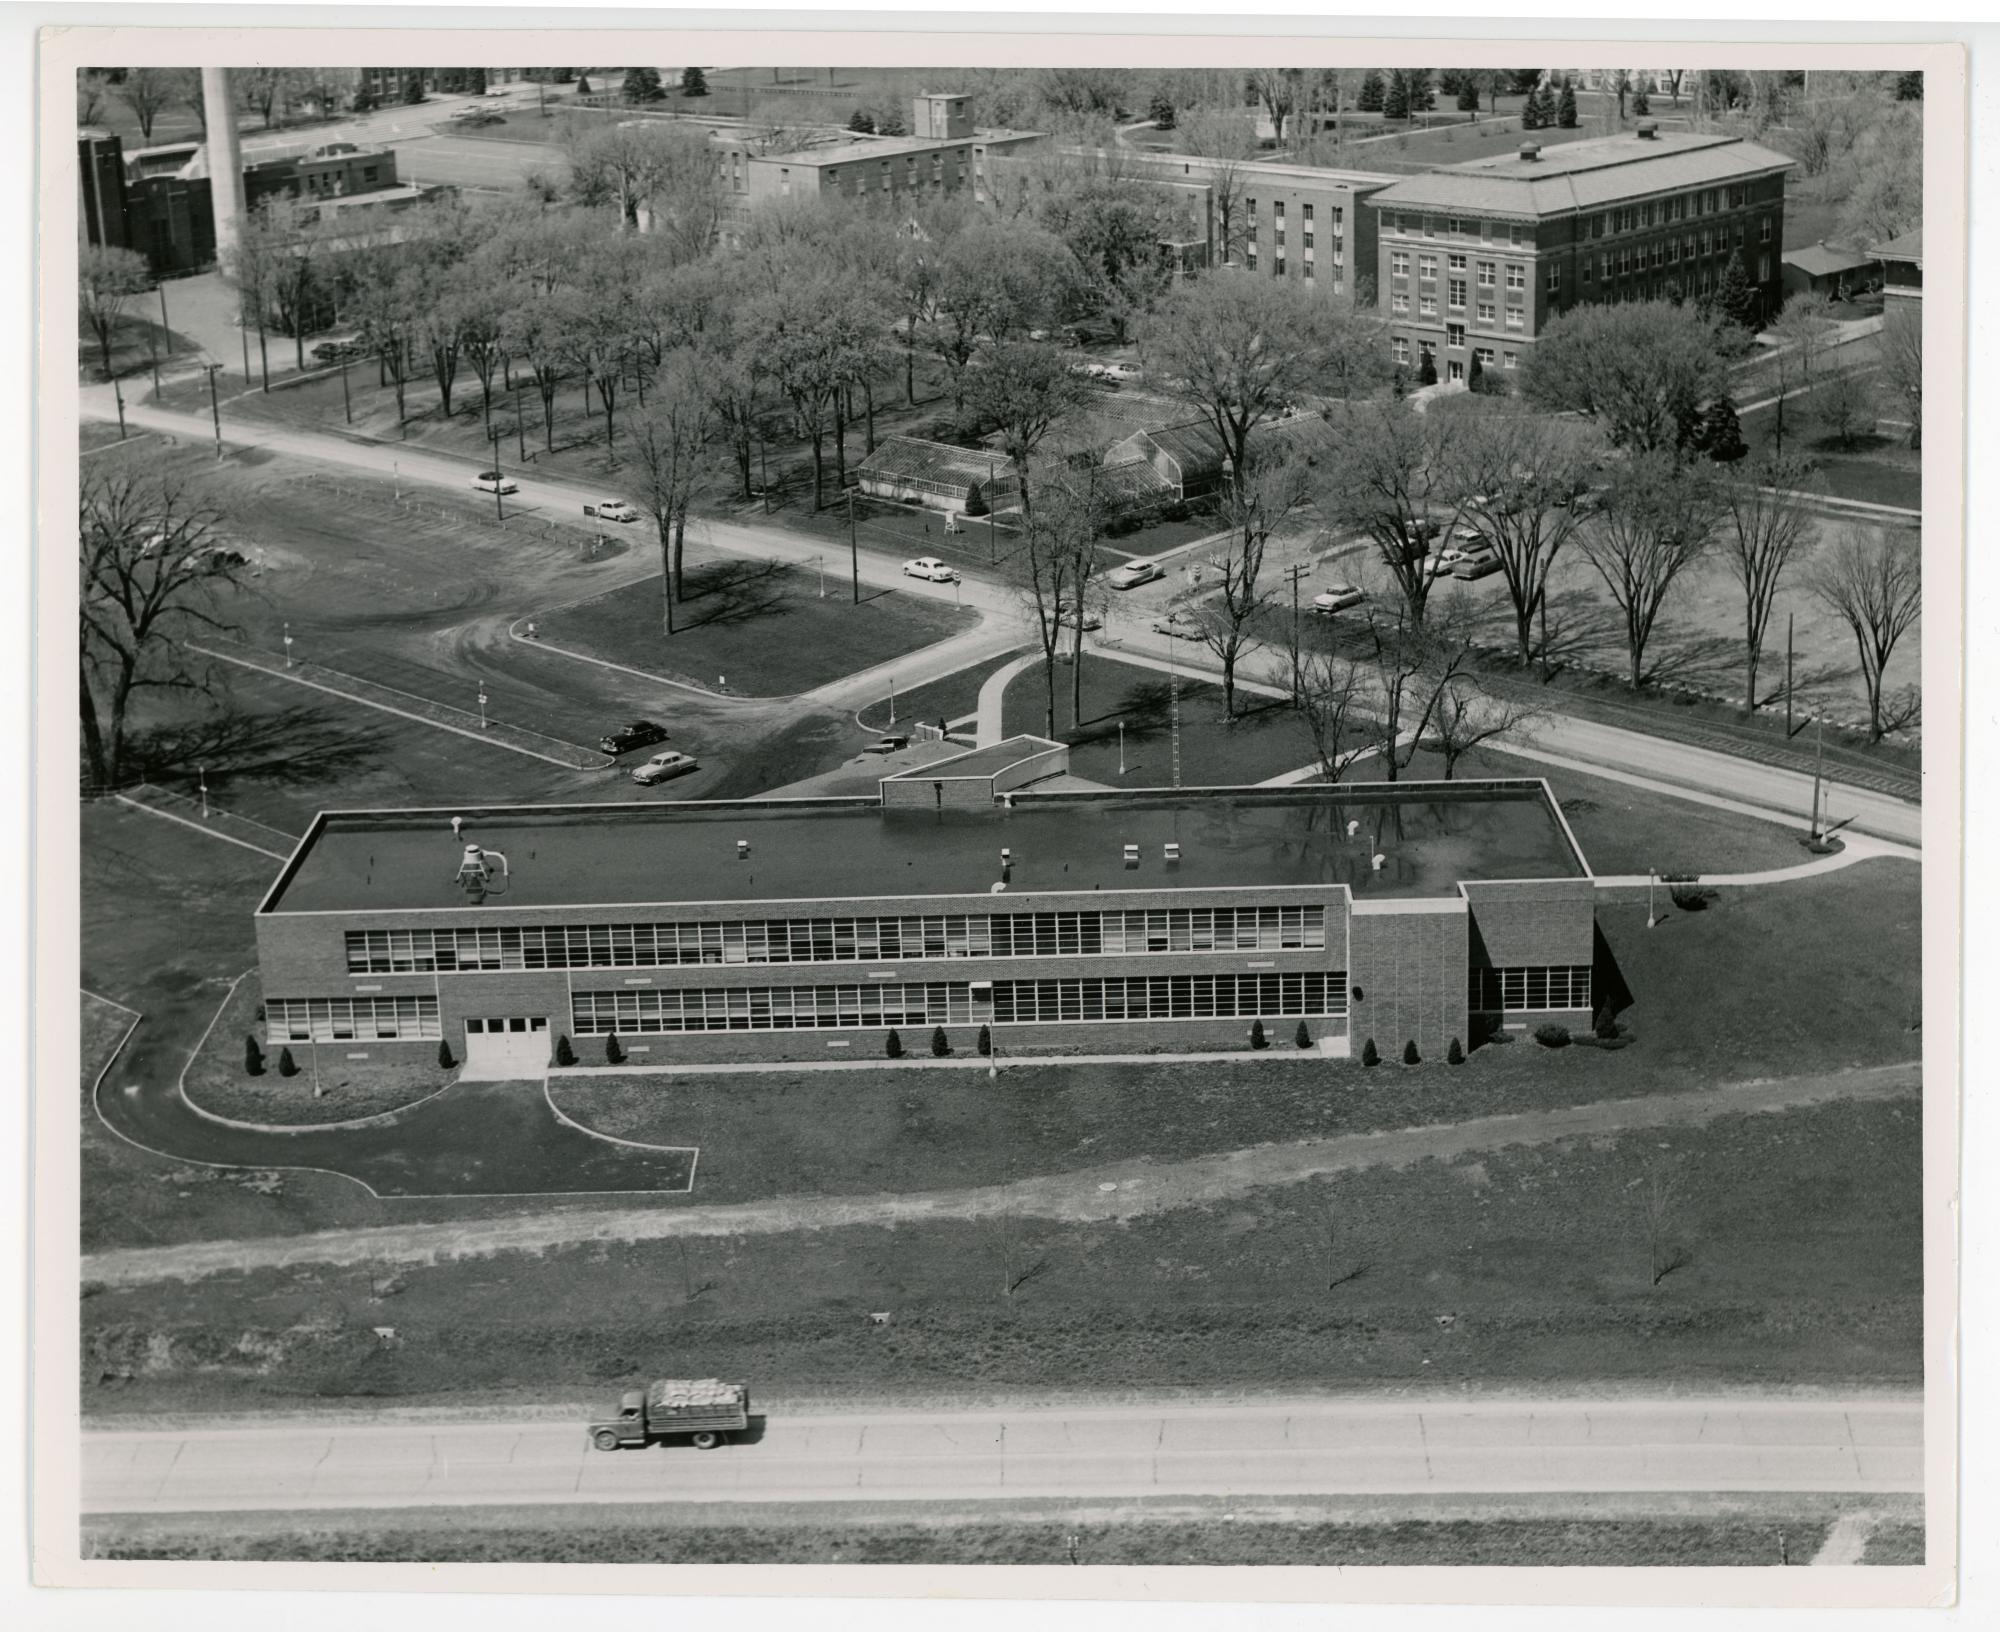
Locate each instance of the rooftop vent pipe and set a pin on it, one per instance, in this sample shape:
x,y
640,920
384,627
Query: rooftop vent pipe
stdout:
x,y
1131,855
742,849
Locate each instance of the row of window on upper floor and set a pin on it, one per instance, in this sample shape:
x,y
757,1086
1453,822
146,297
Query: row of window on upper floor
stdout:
x,y
1640,217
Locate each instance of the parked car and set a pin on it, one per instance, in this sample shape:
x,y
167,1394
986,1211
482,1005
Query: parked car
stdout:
x,y
1134,573
1477,566
1180,622
492,481
1123,373
1337,598
1471,537
931,569
611,510
663,766
337,351
1454,556
1066,617
633,734
887,745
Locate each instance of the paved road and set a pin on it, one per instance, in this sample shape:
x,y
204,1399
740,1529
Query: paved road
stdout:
x,y
1770,788
1871,1445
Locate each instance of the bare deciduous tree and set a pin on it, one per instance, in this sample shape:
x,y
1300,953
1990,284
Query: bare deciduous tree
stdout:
x,y
148,92
1803,331
1261,500
1655,521
1872,580
671,438
106,280
1662,1193
1903,362
1764,532
1466,715
1332,698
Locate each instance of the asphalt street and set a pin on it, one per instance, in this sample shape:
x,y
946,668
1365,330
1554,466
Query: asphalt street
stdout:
x,y
1871,1444
1560,737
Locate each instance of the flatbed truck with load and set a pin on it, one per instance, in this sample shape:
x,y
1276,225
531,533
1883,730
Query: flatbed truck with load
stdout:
x,y
703,1411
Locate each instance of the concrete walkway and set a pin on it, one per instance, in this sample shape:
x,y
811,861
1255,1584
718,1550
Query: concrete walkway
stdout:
x,y
1120,1190
1846,1540
1858,847
993,700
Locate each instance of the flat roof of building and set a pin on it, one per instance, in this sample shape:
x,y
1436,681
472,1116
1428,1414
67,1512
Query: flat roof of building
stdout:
x,y
1432,835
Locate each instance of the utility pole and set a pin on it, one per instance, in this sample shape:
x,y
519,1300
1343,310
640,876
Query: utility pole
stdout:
x,y
992,541
167,328
499,485
1819,767
346,402
153,352
1789,617
214,403
120,395
520,426
1295,572
853,548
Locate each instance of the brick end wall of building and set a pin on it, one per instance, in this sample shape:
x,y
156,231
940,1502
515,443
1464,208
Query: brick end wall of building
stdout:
x,y
1410,969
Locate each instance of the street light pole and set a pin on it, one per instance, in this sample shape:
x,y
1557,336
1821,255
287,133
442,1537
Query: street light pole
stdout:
x,y
201,777
1295,572
1121,747
215,404
167,328
482,708
520,426
892,699
288,645
346,402
499,486
120,395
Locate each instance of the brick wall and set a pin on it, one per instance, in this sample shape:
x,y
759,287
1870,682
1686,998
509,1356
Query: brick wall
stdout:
x,y
1407,958
1531,922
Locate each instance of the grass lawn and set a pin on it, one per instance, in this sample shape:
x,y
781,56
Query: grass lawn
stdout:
x,y
104,1027
655,1536
217,1082
758,629
1879,469
1265,739
1708,1006
1801,1230
1894,1544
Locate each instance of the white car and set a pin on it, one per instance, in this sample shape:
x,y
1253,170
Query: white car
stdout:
x,y
664,766
1337,598
1448,559
931,569
1134,573
611,510
1066,617
1123,373
492,481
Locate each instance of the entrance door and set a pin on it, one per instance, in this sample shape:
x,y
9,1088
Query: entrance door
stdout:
x,y
499,1047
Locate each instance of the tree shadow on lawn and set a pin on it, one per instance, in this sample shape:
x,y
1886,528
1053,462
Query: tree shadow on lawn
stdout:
x,y
1700,660
736,592
473,1139
298,746
1582,628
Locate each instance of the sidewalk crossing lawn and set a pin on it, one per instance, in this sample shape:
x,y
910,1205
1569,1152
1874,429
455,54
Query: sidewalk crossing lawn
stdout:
x,y
754,629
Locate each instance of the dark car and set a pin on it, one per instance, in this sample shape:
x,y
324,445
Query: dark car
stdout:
x,y
635,734
337,351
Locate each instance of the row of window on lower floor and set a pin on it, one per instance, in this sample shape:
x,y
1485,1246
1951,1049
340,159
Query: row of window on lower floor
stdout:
x,y
1008,1002
1558,986
351,1019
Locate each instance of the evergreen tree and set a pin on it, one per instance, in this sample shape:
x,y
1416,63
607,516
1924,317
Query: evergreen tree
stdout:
x,y
940,1044
642,85
1161,111
565,1054
287,1066
863,121
985,1042
1303,1037
1410,1054
1566,108
1369,98
1642,104
1735,297
253,1057
1257,1037
583,85
1455,1055
1396,102
413,90
1369,1054
1721,435
888,122
892,1045
1475,373
564,76
1427,371
614,1051
1606,1027
1523,81
1545,108
1422,97
1468,95
445,1060
693,82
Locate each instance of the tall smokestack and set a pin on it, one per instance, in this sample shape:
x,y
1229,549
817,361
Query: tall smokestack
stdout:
x,y
225,160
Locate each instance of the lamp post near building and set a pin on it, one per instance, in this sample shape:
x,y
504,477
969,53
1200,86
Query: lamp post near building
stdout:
x,y
892,699
499,486
482,708
167,328
1121,747
201,778
1652,917
288,645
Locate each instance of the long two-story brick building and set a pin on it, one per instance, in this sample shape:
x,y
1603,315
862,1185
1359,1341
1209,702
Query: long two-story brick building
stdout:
x,y
1475,259
959,896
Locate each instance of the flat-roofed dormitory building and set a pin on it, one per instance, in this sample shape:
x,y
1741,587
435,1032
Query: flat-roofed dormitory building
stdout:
x,y
961,895
1475,259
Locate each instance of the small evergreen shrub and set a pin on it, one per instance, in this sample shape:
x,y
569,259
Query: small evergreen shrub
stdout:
x,y
1302,1037
1606,1027
1257,1037
287,1066
1454,1055
1691,897
892,1045
445,1059
253,1057
565,1055
986,1041
940,1044
1550,1035
1369,1054
614,1051
1410,1054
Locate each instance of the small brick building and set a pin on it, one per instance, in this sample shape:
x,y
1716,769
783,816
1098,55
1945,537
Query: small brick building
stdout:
x,y
959,896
